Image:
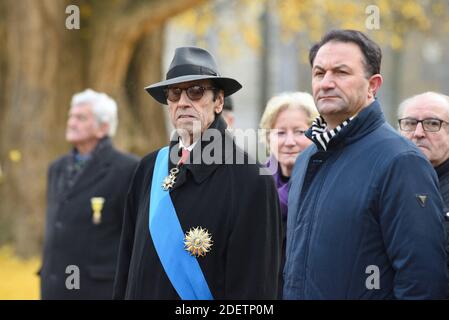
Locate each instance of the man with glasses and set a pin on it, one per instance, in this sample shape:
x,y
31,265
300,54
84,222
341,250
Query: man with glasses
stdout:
x,y
197,225
424,119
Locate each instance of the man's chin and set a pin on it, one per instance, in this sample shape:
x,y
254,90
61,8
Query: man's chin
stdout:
x,y
189,126
424,150
188,132
328,108
71,139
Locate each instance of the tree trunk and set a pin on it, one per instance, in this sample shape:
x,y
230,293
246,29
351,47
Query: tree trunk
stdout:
x,y
41,73
117,50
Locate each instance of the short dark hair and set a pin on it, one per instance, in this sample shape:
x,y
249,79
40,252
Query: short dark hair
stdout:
x,y
371,51
216,90
228,104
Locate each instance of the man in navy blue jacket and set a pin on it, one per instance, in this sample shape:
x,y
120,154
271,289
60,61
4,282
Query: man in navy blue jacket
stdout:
x,y
365,216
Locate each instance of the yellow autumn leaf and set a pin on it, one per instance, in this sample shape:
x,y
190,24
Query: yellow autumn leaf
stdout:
x,y
85,10
15,155
396,42
187,19
252,37
411,9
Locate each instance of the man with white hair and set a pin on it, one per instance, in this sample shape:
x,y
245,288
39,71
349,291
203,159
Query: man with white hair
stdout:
x,y
424,119
85,197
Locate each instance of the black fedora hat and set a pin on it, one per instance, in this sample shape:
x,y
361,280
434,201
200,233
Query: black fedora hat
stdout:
x,y
189,64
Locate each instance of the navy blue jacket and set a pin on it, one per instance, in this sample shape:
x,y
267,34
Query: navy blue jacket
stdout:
x,y
367,208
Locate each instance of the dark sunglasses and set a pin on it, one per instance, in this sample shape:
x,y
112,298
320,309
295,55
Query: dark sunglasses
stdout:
x,y
194,92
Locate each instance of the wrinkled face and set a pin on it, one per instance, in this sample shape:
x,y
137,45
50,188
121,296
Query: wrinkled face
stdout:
x,y
287,137
194,116
435,145
339,84
82,126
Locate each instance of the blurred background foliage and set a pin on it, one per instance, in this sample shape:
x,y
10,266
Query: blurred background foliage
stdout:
x,y
400,24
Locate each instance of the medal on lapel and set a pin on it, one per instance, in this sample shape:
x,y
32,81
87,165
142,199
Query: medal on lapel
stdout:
x,y
170,180
97,206
198,241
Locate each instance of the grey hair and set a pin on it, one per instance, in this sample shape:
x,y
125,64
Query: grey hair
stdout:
x,y
409,100
104,107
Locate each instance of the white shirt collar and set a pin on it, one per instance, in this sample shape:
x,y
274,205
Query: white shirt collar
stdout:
x,y
189,148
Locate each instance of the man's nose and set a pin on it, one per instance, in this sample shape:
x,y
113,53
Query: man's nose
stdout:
x,y
327,82
71,121
184,99
419,130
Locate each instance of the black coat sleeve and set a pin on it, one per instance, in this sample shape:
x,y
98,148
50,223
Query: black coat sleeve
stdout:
x,y
126,239
254,250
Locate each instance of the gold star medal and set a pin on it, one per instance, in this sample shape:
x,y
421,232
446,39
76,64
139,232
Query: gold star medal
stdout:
x,y
198,241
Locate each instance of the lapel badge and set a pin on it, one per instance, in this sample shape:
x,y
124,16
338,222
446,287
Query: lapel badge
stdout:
x,y
422,199
197,241
170,180
97,206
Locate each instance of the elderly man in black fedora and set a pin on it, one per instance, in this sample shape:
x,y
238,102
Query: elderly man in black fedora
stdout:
x,y
201,220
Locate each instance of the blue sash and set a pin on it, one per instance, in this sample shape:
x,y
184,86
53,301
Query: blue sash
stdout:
x,y
181,268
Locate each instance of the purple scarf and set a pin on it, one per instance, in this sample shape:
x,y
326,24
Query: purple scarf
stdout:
x,y
281,185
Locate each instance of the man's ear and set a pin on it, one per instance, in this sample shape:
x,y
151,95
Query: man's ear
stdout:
x,y
375,82
103,130
219,102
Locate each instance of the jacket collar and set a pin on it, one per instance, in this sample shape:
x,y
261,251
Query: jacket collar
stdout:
x,y
96,167
320,136
369,119
102,143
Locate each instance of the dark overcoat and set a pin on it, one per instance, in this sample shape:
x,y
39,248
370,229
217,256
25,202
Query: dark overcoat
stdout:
x,y
237,204
71,236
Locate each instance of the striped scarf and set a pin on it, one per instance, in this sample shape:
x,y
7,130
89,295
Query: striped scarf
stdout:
x,y
320,136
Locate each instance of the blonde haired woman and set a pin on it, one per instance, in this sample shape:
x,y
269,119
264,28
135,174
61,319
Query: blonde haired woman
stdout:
x,y
286,118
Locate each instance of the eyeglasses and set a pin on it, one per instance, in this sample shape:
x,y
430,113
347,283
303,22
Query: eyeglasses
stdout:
x,y
429,125
194,92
